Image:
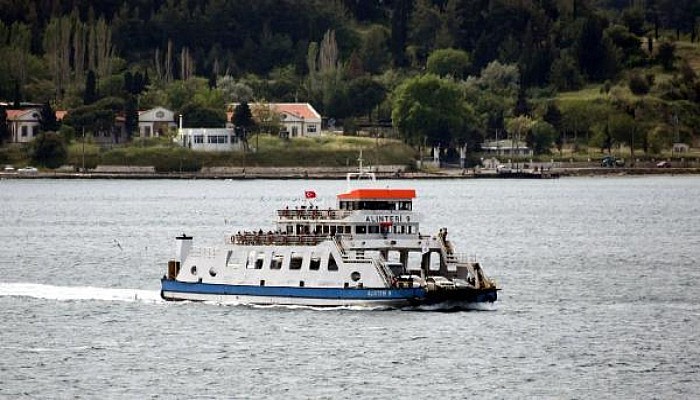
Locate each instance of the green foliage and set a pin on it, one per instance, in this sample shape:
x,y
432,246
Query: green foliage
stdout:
x,y
47,119
90,94
449,62
432,109
666,55
197,116
4,129
639,85
365,94
49,150
543,136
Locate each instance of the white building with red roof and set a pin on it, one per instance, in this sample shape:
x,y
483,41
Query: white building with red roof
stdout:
x,y
23,124
296,119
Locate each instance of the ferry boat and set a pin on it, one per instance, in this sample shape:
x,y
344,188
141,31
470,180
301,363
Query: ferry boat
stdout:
x,y
366,252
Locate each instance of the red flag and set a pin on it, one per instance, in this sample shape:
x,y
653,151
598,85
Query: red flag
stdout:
x,y
310,194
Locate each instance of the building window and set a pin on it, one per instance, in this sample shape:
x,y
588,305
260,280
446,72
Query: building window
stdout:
x,y
295,131
24,130
217,139
311,128
147,131
199,138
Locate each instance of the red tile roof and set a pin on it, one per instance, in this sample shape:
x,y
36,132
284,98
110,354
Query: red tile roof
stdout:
x,y
303,110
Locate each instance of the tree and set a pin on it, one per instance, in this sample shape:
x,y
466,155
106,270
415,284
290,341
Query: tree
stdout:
x,y
131,116
432,109
565,74
49,150
90,94
542,137
374,52
400,15
47,119
638,85
234,92
366,94
4,130
449,62
195,115
242,119
666,55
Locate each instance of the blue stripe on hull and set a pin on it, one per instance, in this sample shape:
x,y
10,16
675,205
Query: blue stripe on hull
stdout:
x,y
293,292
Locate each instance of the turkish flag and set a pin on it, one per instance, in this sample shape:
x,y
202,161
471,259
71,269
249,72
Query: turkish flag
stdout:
x,y
310,194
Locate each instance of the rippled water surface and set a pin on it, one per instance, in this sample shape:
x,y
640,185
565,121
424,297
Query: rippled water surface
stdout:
x,y
600,299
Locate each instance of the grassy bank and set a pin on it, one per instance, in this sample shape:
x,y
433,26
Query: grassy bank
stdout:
x,y
266,151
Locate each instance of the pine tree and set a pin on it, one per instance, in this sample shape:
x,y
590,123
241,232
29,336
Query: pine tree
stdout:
x,y
4,130
90,94
47,119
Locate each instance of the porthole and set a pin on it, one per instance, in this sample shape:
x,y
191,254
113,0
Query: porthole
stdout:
x,y
212,272
193,270
355,276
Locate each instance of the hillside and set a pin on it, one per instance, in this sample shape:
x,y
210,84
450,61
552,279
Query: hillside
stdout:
x,y
555,75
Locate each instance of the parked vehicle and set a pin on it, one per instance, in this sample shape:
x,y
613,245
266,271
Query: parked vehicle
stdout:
x,y
663,164
8,168
28,170
610,161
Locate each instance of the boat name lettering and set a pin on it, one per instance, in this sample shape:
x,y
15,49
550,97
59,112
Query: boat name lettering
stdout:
x,y
384,218
379,293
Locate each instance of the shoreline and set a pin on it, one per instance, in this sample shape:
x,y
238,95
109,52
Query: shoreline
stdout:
x,y
277,173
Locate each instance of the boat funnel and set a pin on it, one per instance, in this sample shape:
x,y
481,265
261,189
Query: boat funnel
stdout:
x,y
184,244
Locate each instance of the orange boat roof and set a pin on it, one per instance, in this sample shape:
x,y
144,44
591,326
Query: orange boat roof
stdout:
x,y
377,194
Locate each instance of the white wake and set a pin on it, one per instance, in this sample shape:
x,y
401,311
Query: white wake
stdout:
x,y
63,293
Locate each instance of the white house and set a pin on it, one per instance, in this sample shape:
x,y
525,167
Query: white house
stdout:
x,y
155,122
209,139
506,147
296,119
23,124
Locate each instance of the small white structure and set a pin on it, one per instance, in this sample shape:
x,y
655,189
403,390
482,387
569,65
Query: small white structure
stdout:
x,y
23,124
209,139
155,122
296,119
680,148
505,147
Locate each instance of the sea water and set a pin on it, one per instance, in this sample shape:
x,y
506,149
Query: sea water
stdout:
x,y
600,299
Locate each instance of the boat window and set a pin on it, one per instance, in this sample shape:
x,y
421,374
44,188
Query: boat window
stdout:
x,y
259,261
290,229
301,283
325,229
374,229
332,265
212,272
295,261
355,276
193,270
403,228
360,229
250,261
276,262
410,229
315,263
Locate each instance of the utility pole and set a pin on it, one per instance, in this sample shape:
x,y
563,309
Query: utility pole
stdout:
x,y
83,170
